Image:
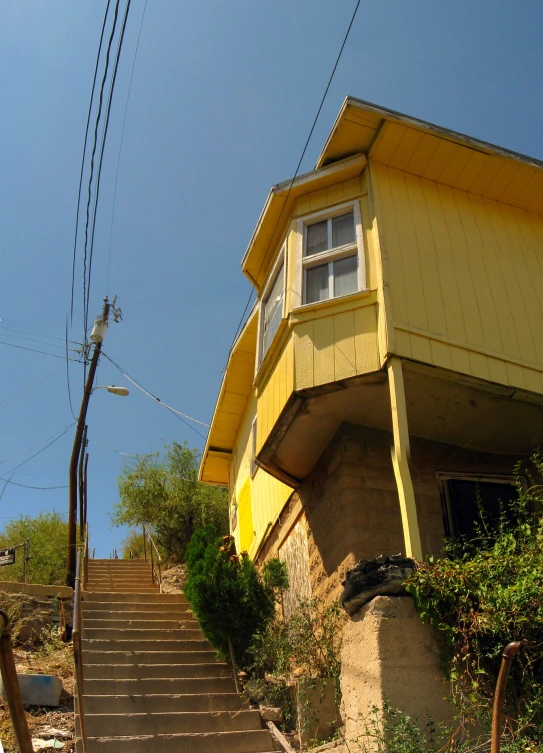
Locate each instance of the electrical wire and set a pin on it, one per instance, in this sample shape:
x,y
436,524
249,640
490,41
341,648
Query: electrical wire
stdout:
x,y
68,374
121,147
104,137
241,322
181,416
22,452
42,449
89,193
43,352
40,342
35,334
29,486
14,399
84,153
112,449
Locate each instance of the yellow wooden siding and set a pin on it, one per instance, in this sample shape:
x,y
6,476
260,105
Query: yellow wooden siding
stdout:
x,y
336,346
274,393
465,274
245,517
260,498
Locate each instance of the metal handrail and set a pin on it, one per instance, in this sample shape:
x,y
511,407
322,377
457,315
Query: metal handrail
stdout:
x,y
78,649
11,687
508,655
154,546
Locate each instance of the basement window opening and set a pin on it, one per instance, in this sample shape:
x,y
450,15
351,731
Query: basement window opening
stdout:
x,y
469,502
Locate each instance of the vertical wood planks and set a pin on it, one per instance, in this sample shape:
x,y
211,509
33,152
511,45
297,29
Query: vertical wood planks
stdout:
x,y
465,276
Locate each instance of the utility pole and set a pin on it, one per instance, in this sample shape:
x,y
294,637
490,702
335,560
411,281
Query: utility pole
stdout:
x,y
97,337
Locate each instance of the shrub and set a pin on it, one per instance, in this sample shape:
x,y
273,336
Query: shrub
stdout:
x,y
482,595
227,594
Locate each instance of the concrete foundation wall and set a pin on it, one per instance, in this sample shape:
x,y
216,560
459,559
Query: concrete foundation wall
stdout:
x,y
389,655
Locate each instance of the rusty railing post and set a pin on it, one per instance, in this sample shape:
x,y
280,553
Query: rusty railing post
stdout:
x,y
11,687
507,657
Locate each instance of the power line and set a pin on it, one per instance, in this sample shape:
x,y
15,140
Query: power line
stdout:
x,y
40,342
22,452
33,350
35,334
14,399
89,193
104,137
84,152
29,486
68,373
181,416
121,147
240,325
42,449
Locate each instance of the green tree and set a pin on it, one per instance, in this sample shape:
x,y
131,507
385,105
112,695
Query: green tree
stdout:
x,y
163,492
48,536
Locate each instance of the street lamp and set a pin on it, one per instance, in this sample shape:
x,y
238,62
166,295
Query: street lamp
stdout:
x,y
122,391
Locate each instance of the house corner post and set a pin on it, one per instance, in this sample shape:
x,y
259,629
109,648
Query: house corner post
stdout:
x,y
400,460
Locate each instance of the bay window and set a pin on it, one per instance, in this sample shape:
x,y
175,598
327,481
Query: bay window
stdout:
x,y
332,260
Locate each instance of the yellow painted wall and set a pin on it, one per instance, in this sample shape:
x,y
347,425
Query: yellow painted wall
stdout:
x,y
465,275
260,498
274,391
336,342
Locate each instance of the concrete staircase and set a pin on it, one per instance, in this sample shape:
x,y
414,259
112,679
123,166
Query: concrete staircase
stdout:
x,y
151,682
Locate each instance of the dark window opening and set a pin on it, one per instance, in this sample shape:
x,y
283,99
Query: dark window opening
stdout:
x,y
470,504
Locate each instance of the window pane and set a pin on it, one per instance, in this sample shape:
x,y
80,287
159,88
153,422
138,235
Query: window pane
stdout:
x,y
343,230
273,311
346,276
317,283
317,238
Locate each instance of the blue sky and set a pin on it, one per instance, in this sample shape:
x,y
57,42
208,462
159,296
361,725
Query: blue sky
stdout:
x,y
222,100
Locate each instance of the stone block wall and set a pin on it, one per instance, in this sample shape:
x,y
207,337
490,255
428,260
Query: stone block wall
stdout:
x,y
350,502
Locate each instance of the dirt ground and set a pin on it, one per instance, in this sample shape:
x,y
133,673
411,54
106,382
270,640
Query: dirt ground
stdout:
x,y
52,658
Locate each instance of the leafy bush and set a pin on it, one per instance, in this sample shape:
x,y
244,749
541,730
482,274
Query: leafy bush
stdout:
x,y
308,643
48,535
164,493
484,594
227,594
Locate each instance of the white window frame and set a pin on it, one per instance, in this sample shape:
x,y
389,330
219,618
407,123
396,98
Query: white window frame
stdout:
x,y
281,259
331,254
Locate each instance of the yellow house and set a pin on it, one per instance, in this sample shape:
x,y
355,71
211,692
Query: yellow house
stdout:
x,y
393,362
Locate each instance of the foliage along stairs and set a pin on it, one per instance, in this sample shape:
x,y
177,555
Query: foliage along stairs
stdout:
x,y
151,681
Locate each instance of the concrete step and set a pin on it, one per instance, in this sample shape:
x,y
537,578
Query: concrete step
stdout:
x,y
149,598
124,590
141,607
102,644
139,615
144,579
250,741
159,671
94,563
148,657
129,571
105,725
145,634
148,704
160,685
155,623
